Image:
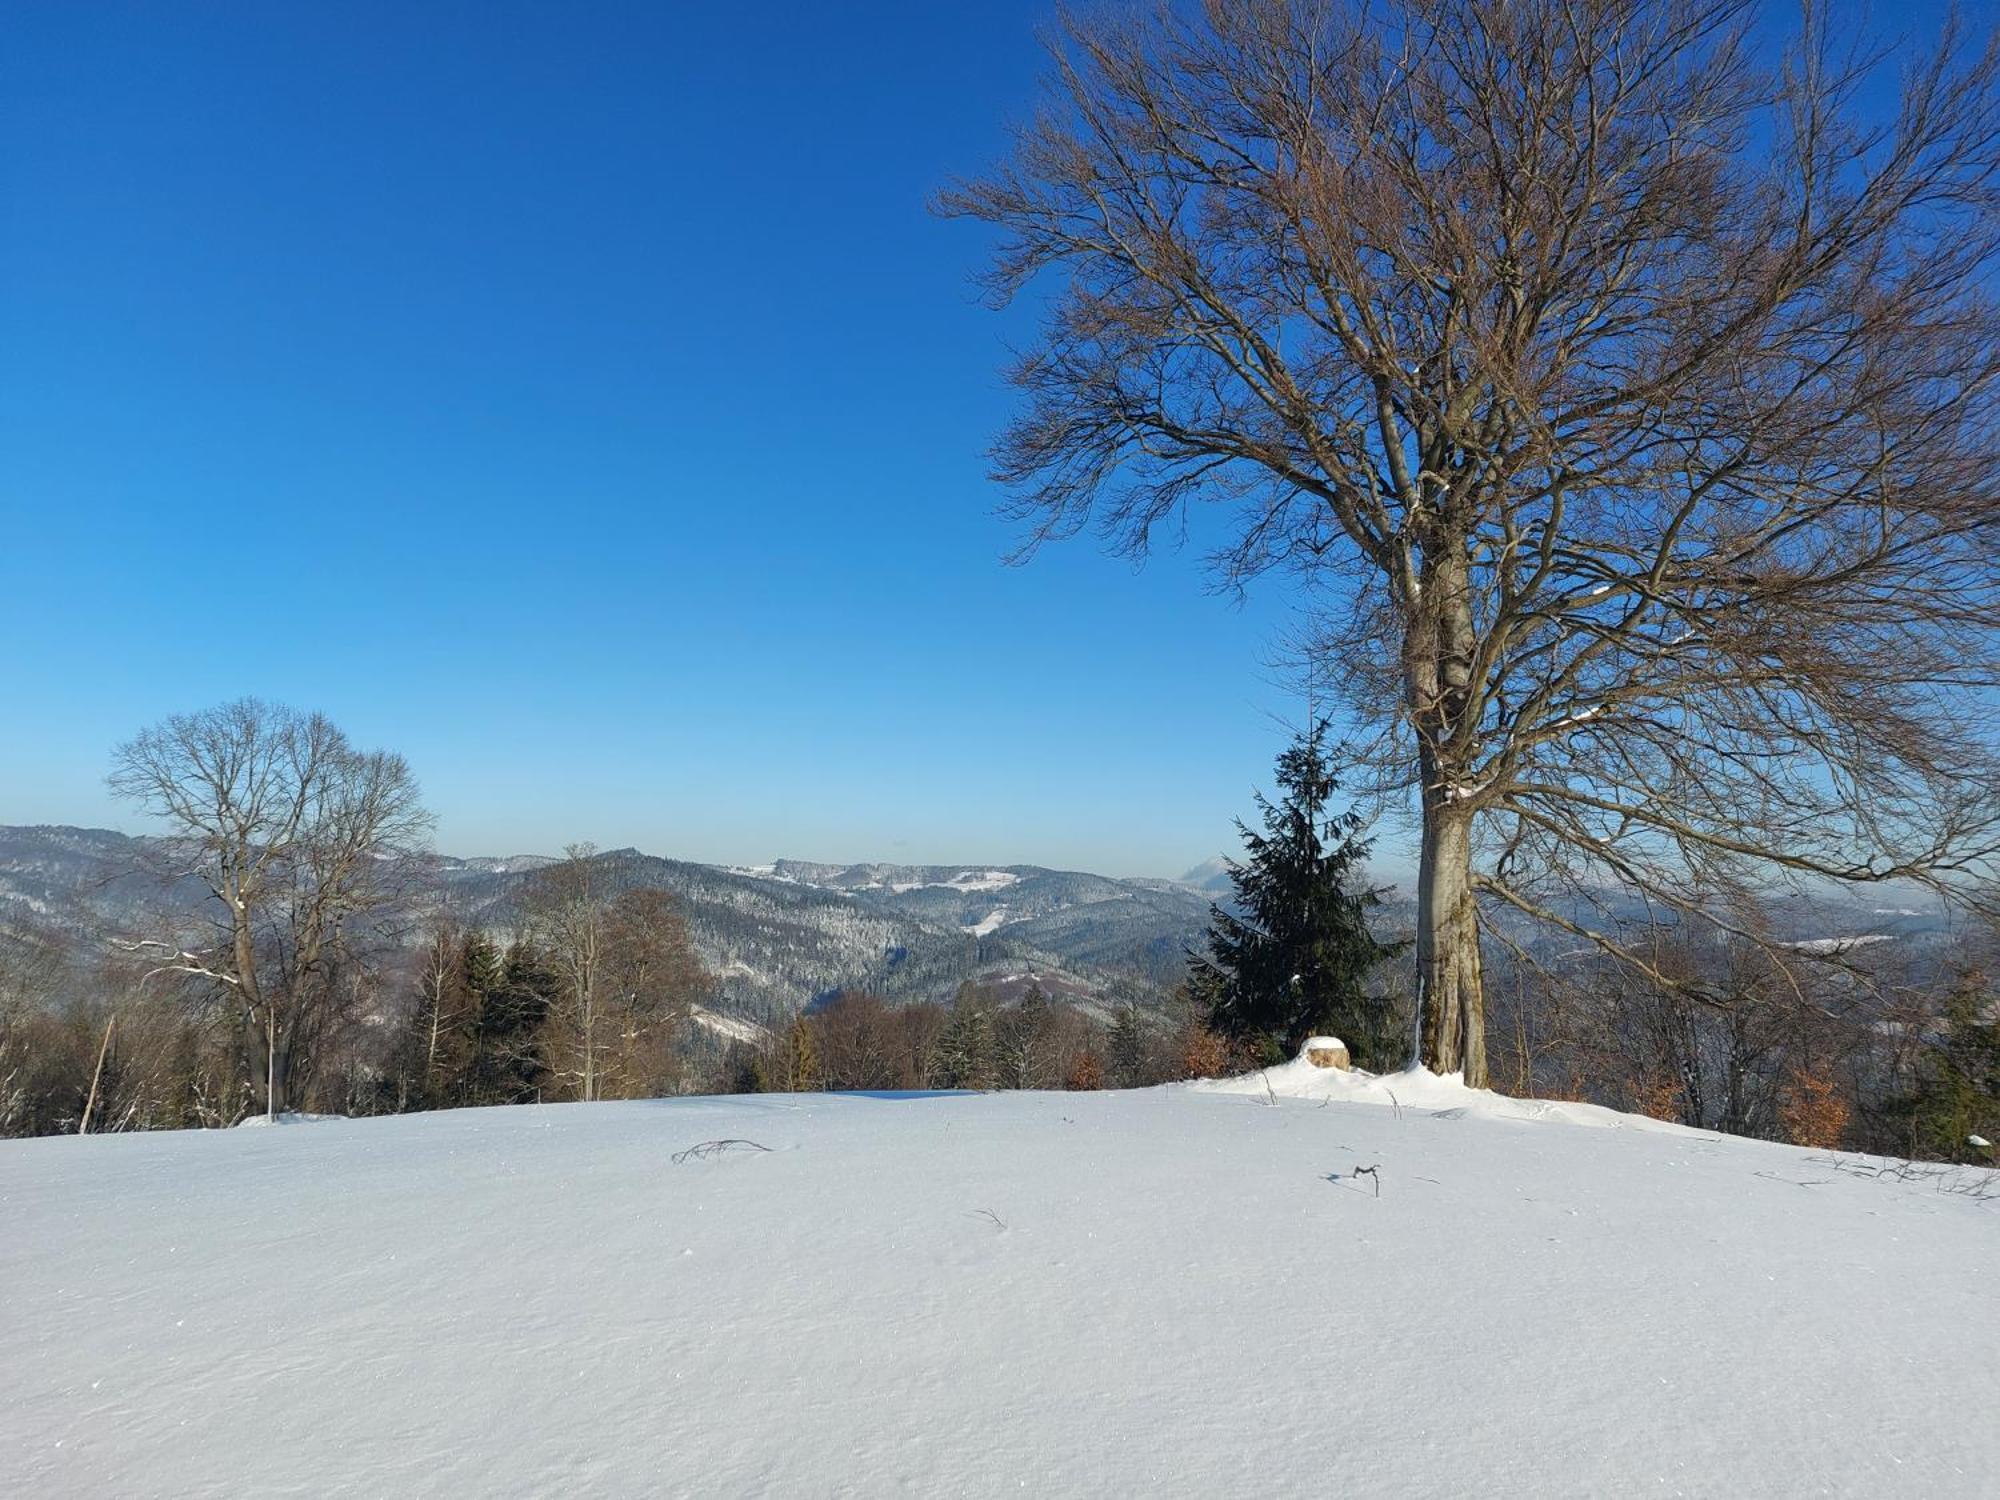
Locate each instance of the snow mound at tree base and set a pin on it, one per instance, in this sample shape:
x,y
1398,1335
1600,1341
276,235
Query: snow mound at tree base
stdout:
x,y
1421,1089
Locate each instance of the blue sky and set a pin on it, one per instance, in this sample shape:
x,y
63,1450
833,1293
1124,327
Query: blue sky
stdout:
x,y
579,400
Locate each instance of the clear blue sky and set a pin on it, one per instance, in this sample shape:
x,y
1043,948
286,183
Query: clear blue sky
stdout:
x,y
580,400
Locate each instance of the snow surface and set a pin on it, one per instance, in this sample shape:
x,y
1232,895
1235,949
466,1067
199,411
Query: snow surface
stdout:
x,y
1839,944
964,880
730,1028
289,1117
1180,1291
1423,1090
987,925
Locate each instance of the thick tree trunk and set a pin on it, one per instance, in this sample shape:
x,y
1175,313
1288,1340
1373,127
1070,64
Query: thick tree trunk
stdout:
x,y
1438,654
269,1069
1452,1034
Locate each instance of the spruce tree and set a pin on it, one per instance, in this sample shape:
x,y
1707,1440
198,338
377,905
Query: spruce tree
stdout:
x,y
508,1065
1957,1094
969,1049
1291,959
481,964
1127,1048
1023,1039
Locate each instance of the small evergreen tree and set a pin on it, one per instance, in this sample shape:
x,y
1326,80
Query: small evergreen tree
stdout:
x,y
742,1071
480,963
1957,1095
508,1064
1024,1041
1127,1048
969,1050
1292,959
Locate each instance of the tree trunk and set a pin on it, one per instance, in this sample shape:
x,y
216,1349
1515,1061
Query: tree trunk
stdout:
x,y
1450,999
280,1092
271,1069
1438,655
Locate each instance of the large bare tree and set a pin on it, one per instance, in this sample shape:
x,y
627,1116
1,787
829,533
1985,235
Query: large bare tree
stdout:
x,y
566,909
629,975
1622,391
299,838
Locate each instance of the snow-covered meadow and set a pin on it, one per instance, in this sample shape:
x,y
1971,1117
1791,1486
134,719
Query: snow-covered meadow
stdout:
x,y
1184,1290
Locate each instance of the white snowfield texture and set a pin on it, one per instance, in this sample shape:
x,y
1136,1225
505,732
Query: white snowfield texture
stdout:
x,y
1839,944
731,1028
987,925
290,1117
1181,1291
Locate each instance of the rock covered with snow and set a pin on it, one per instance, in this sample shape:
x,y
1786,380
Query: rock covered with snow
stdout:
x,y
1325,1052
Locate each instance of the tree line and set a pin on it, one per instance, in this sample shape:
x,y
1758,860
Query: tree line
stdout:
x,y
981,1040
296,986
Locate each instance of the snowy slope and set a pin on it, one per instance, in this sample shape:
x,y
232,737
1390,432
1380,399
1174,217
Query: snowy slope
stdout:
x,y
1177,1291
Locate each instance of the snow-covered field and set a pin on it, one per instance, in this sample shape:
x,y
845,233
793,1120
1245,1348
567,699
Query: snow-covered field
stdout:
x,y
1177,1291
987,925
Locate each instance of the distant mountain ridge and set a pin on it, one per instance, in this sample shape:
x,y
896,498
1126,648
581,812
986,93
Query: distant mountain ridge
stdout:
x,y
777,936
791,933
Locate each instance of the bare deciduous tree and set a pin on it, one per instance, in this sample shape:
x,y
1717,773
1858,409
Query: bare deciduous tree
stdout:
x,y
445,1008
299,838
629,973
653,980
1624,398
566,907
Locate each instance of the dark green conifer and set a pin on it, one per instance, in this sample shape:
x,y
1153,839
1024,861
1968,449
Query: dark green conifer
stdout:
x,y
1127,1048
1291,959
508,1064
1024,1041
1956,1098
969,1048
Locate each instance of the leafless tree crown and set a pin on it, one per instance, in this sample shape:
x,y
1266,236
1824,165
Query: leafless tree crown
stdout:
x,y
1623,393
297,835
